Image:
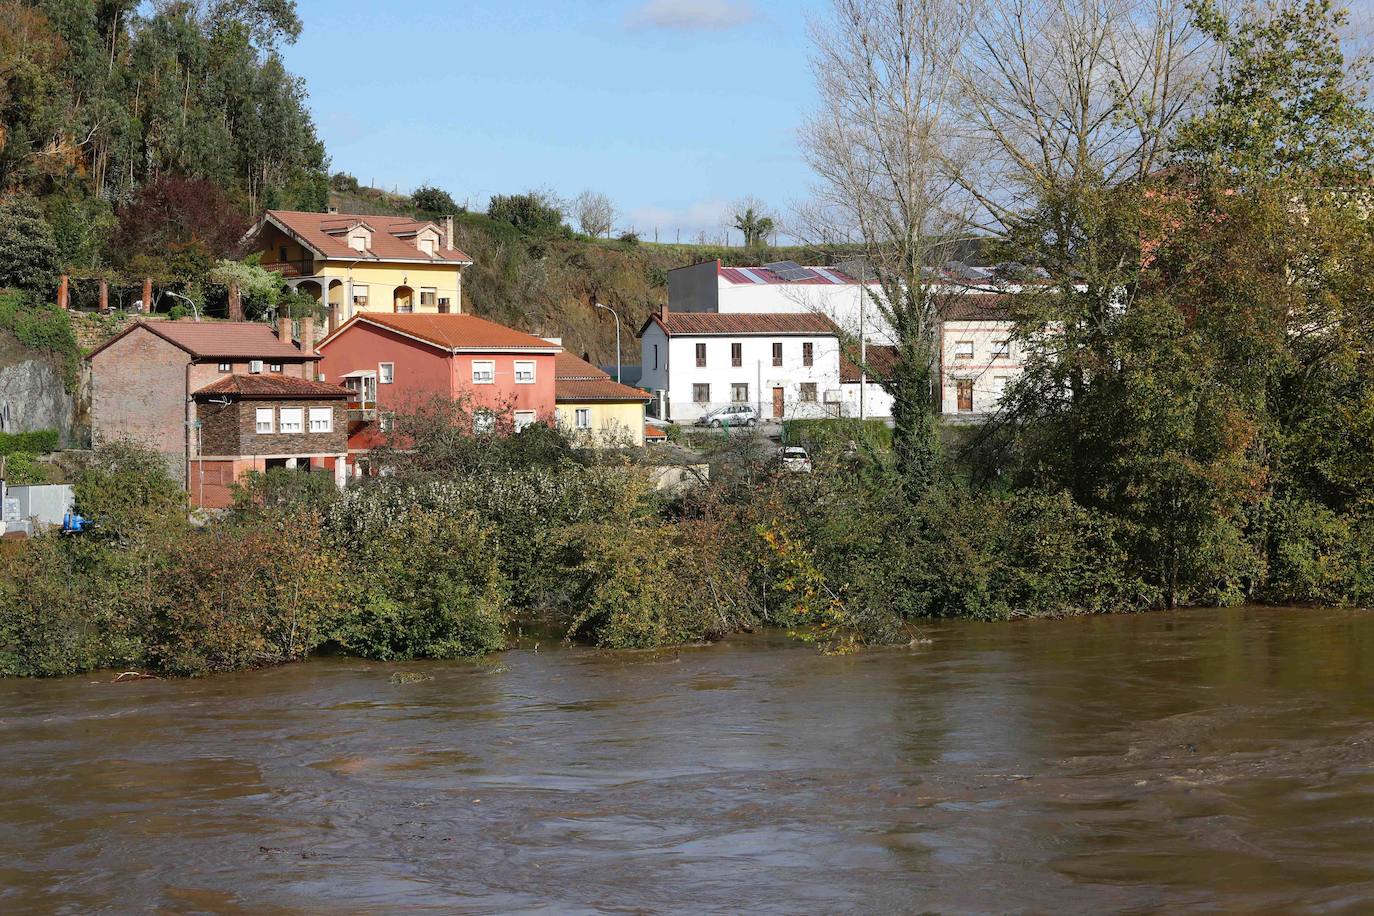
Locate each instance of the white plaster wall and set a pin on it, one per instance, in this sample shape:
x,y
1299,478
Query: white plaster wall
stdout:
x,y
756,370
989,374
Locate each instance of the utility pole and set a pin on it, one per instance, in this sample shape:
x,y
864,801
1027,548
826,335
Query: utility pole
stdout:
x,y
617,336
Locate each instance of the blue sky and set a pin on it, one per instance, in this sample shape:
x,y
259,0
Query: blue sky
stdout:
x,y
674,108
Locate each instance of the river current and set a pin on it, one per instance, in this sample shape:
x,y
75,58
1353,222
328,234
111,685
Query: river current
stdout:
x,y
1198,760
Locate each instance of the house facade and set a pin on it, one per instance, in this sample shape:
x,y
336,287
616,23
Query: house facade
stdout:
x,y
143,380
785,365
395,363
352,263
594,409
979,357
260,422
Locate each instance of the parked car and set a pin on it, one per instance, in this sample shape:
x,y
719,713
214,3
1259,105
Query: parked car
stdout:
x,y
794,458
733,415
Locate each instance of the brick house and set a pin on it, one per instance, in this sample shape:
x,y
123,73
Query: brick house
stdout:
x,y
144,378
257,423
397,362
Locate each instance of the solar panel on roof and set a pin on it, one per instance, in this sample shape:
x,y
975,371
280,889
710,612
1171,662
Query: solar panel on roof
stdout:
x,y
790,270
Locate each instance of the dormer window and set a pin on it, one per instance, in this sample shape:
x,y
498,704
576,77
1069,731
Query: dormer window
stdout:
x,y
427,246
360,238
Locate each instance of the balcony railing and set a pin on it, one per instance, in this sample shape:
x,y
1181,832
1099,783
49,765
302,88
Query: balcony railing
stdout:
x,y
304,268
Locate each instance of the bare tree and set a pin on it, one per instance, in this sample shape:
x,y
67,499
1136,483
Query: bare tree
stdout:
x,y
755,221
594,212
880,145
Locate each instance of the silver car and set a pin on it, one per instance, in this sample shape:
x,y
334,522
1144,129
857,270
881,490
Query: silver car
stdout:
x,y
732,415
794,458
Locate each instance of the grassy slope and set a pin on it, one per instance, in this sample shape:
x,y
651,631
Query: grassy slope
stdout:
x,y
548,286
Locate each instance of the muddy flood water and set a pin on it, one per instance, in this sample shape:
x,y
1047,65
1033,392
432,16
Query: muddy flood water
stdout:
x,y
1217,760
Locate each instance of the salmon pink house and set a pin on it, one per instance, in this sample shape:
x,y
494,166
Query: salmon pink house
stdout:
x,y
397,362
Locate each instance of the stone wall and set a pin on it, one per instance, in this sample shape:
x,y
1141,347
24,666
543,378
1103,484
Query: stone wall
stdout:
x,y
232,430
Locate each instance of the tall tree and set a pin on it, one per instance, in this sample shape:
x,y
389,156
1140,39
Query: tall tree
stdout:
x,y
753,221
28,251
594,213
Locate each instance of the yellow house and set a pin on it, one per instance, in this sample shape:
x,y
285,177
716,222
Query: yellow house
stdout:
x,y
355,263
595,409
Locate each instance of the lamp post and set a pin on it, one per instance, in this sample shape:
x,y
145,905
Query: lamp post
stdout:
x,y
617,336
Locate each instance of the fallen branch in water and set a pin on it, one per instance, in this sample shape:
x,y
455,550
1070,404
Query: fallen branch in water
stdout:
x,y
135,676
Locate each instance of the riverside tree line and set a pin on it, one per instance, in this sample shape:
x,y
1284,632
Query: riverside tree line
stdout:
x,y
1188,198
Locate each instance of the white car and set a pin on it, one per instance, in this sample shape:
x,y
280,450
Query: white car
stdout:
x,y
733,415
794,458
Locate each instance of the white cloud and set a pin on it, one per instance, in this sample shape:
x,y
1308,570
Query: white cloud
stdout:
x,y
707,216
692,15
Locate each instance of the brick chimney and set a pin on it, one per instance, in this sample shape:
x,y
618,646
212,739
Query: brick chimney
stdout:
x,y
308,335
235,301
147,295
104,296
284,330
63,294
448,231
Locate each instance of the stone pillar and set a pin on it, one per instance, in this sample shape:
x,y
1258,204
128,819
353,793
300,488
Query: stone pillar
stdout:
x,y
308,334
63,293
104,295
235,301
147,295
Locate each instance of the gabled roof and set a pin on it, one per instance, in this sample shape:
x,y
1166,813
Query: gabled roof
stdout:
x,y
326,234
738,324
879,358
976,307
271,386
454,333
218,339
579,380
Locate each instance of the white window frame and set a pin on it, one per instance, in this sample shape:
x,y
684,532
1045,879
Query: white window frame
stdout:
x,y
582,417
386,373
525,418
490,375
271,416
274,367
520,366
226,367
321,419
1001,349
963,349
291,420
360,295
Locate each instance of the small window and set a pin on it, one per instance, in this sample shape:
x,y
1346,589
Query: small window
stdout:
x,y
808,354
1001,349
963,349
226,367
655,356
524,372
444,307
736,355
807,394
291,420
282,253
584,417
427,245
265,419
386,373
739,393
321,419
274,367
483,372
523,419
483,422
777,354
701,356
701,394
359,296
428,298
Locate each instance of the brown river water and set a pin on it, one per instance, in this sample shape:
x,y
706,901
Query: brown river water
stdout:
x,y
1200,760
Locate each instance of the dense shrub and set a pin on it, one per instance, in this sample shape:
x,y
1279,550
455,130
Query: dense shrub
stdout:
x,y
44,328
39,441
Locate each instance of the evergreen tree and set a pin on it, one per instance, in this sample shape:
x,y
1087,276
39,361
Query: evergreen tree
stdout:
x,y
28,251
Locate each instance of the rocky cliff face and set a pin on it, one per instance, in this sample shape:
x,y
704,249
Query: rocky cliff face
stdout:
x,y
32,396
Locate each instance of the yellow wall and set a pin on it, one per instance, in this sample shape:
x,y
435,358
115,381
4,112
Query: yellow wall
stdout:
x,y
612,424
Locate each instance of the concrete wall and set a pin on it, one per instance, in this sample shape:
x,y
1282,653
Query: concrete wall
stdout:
x,y
611,424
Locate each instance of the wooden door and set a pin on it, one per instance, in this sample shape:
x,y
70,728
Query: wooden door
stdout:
x,y
777,403
965,395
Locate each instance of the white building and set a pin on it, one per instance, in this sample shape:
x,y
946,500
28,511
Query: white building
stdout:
x,y
786,365
783,287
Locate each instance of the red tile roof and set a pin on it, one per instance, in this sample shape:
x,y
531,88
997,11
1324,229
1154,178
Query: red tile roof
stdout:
x,y
653,433
223,339
579,380
271,386
705,324
449,332
880,359
977,307
387,245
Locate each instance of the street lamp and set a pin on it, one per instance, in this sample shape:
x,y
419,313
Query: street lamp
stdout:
x,y
617,336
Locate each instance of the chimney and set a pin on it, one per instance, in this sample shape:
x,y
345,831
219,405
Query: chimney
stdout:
x,y
308,335
448,231
284,330
147,295
104,296
63,293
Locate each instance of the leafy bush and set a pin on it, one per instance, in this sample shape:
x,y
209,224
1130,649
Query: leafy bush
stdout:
x,y
24,468
434,201
39,441
44,328
535,212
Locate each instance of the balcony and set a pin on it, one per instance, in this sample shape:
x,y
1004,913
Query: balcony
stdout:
x,y
292,269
